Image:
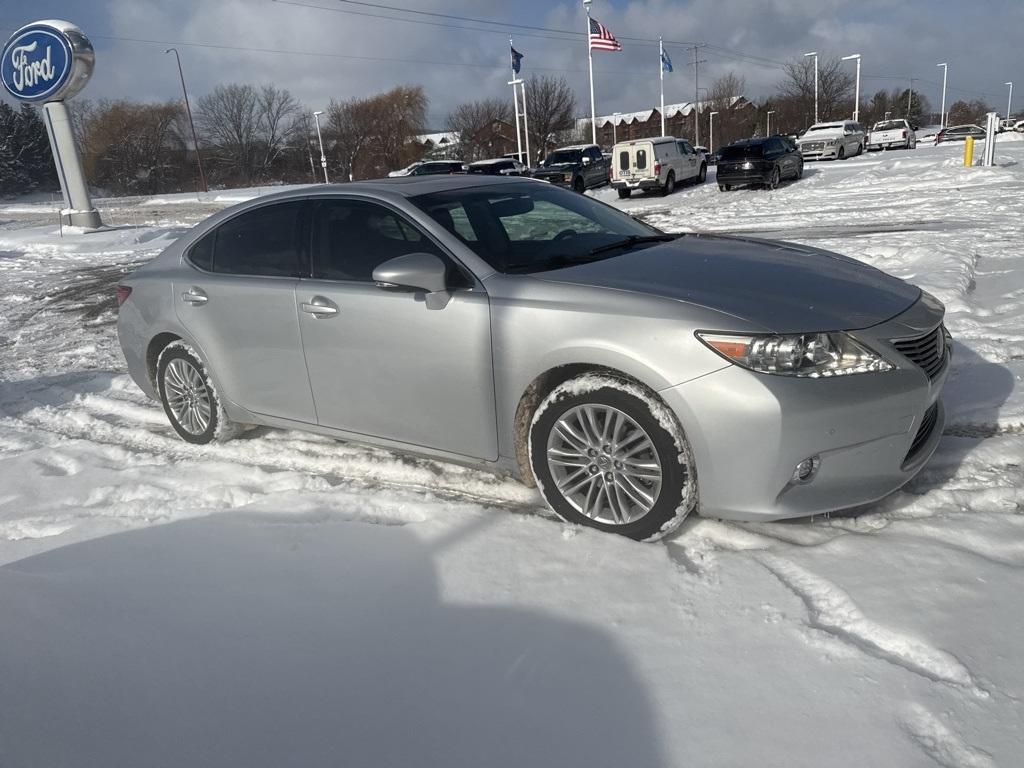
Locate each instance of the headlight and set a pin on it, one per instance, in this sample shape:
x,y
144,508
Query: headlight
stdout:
x,y
831,142
809,355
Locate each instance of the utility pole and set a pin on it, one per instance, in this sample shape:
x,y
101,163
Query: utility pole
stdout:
x,y
768,128
1009,101
815,55
945,71
910,97
711,129
696,92
192,125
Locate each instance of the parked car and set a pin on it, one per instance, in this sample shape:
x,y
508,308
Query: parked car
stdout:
x,y
890,134
579,168
521,328
439,167
959,133
1019,126
499,166
656,164
764,161
1006,124
927,133
837,140
407,171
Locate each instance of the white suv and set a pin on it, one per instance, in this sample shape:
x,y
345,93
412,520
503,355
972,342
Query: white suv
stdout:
x,y
656,164
837,141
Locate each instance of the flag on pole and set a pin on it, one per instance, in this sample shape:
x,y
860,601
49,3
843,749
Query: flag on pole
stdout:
x,y
517,59
666,62
601,39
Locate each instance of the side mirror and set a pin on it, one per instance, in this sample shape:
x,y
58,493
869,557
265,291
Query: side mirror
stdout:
x,y
413,271
586,160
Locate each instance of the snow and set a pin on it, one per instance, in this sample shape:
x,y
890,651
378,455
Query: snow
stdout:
x,y
283,598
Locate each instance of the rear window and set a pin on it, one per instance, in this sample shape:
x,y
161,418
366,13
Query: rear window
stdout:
x,y
641,158
744,151
624,160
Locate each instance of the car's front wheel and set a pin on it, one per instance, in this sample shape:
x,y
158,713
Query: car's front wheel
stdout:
x,y
724,187
578,186
607,453
189,397
702,176
775,178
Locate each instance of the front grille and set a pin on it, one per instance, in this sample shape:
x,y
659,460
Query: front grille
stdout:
x,y
812,146
928,352
923,433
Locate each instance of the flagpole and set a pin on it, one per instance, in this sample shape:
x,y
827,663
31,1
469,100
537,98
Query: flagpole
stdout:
x,y
515,100
661,70
590,57
526,125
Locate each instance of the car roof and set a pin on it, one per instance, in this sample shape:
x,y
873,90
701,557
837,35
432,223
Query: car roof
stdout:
x,y
494,161
405,186
752,142
576,147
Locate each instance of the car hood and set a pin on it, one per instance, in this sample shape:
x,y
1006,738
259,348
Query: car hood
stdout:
x,y
557,168
819,135
782,288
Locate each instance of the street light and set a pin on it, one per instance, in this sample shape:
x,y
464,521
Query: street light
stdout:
x,y
188,110
615,135
945,71
815,55
768,127
1009,101
323,157
711,130
856,97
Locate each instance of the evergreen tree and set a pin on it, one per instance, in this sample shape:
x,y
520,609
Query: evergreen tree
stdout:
x,y
26,163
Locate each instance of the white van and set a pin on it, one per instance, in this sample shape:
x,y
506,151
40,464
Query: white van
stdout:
x,y
659,164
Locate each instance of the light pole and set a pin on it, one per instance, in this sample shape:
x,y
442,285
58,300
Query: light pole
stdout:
x,y
615,123
590,64
856,97
815,55
1009,101
319,138
910,97
768,127
711,130
192,125
945,71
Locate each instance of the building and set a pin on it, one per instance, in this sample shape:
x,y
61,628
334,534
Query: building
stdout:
x,y
626,126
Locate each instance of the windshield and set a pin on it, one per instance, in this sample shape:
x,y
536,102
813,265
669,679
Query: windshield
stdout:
x,y
828,127
743,150
889,125
563,156
532,227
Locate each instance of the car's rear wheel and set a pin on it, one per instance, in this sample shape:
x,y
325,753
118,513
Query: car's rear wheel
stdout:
x,y
670,184
578,185
625,193
773,180
724,187
608,454
189,397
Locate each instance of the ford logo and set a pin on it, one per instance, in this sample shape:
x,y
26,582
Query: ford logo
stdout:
x,y
46,61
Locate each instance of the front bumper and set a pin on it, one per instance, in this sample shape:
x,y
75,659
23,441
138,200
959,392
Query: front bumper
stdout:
x,y
825,153
559,180
872,432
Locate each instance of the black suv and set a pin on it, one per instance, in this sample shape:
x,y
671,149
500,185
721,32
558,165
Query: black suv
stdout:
x,y
578,168
765,161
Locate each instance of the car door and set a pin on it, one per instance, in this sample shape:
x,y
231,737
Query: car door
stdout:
x,y
381,362
689,160
597,171
238,304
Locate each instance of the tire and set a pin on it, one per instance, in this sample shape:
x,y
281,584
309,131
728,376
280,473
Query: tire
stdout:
x,y
568,448
800,171
670,184
702,176
774,179
625,193
189,398
860,149
724,187
578,186
842,154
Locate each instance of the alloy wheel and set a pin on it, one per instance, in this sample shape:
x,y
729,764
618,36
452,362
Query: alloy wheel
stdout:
x,y
604,464
188,397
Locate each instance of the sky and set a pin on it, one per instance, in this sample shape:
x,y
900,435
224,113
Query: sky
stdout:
x,y
336,49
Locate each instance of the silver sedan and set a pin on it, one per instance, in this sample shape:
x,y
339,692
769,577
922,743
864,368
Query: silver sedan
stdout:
x,y
633,376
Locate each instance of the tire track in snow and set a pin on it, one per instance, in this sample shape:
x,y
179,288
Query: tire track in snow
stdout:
x,y
831,610
940,743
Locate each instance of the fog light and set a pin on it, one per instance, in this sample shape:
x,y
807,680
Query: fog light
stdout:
x,y
806,470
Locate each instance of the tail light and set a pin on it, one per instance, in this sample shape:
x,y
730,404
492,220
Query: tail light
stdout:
x,y
657,169
123,292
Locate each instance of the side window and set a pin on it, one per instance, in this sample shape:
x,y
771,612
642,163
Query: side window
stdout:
x,y
201,253
262,242
682,147
351,238
641,158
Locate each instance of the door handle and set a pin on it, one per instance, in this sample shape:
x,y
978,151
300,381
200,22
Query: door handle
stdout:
x,y
194,296
320,307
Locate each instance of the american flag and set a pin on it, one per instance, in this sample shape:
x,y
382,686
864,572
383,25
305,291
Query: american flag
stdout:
x,y
601,39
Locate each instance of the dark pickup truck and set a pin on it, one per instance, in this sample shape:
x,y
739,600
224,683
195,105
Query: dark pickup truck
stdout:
x,y
579,168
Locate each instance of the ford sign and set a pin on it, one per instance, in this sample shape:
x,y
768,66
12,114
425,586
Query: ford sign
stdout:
x,y
46,61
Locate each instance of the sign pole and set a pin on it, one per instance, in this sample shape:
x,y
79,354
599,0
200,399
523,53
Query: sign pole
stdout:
x,y
590,58
661,71
526,125
515,101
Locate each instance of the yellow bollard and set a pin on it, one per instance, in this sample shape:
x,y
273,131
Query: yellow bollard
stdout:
x,y
968,152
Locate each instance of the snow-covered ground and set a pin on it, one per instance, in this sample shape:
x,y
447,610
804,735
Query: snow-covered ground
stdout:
x,y
287,599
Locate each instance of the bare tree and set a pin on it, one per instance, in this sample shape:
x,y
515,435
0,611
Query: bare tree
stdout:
x,y
736,117
474,122
835,88
550,106
276,113
369,137
228,120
